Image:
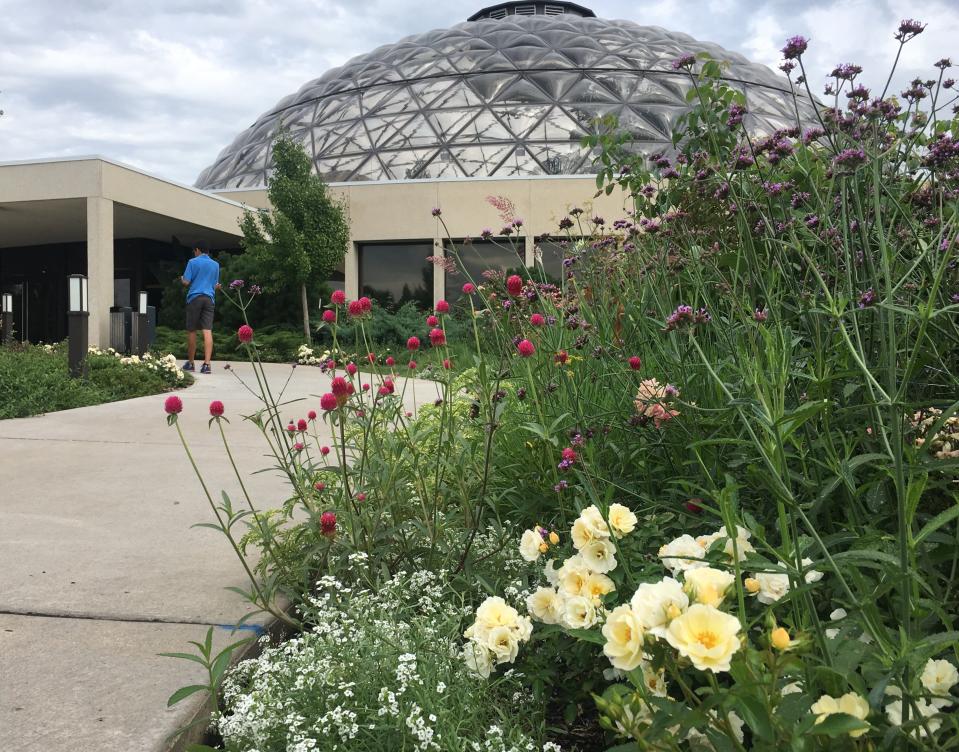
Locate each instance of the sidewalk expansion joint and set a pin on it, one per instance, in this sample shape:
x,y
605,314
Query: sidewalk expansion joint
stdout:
x,y
129,619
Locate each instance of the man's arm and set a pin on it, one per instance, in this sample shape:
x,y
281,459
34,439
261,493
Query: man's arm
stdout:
x,y
187,277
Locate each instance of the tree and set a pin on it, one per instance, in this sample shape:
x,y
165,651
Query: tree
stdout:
x,y
304,236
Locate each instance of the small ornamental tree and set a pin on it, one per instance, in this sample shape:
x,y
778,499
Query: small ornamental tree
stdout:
x,y
304,237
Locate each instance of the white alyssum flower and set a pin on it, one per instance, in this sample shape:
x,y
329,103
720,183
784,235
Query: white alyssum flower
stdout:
x,y
681,554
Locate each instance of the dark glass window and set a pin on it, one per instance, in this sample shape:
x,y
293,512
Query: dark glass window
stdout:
x,y
549,260
396,273
476,257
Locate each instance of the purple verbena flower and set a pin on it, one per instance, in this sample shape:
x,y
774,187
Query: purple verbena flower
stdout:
x,y
237,284
683,62
909,28
867,298
795,46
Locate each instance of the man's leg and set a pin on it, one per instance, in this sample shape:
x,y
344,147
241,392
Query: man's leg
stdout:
x,y
207,345
190,345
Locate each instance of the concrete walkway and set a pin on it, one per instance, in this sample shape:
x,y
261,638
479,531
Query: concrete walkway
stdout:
x,y
100,569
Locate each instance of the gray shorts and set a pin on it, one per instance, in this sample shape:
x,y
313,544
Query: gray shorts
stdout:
x,y
199,313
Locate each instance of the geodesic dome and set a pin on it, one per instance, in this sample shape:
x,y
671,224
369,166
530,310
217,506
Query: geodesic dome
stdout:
x,y
512,91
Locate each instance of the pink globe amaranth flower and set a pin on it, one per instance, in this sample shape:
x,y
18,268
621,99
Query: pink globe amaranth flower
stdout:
x,y
301,425
514,285
442,306
569,454
290,428
537,319
371,357
693,505
383,391
298,446
330,364
329,316
437,337
338,297
173,405
328,523
360,413
351,369
311,415
413,344
561,357
635,362
389,361
245,334
412,365
447,363
409,414
324,450
366,304
389,385
339,386
216,408
366,387
361,496
319,485
525,348
328,402
469,288
432,321
355,309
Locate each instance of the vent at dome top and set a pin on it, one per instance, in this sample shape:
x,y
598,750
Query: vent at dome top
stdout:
x,y
504,10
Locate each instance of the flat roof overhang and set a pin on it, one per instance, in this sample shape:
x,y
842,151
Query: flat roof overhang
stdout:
x,y
44,202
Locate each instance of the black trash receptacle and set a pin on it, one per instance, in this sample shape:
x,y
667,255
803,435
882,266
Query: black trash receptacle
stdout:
x,y
121,324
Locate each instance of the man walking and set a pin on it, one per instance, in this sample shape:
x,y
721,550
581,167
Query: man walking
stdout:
x,y
202,276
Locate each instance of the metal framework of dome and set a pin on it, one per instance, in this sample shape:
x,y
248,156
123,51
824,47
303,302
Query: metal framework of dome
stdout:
x,y
510,93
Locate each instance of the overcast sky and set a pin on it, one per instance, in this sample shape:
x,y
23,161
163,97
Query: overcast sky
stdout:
x,y
165,85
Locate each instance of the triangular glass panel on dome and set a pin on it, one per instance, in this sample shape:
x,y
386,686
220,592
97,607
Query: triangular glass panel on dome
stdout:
x,y
521,91
478,161
663,87
415,132
400,102
489,85
520,119
587,91
583,57
408,164
652,121
300,116
525,56
372,99
555,160
333,140
458,95
333,109
427,91
448,122
554,84
338,169
382,129
552,59
559,126
484,127
520,162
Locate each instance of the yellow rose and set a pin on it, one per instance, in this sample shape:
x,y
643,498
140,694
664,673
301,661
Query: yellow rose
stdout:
x,y
705,635
624,638
752,585
622,521
598,585
554,538
707,585
529,545
779,638
589,526
495,612
546,605
850,704
599,556
572,575
579,613
502,643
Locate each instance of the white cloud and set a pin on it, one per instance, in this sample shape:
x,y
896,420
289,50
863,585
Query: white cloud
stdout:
x,y
167,85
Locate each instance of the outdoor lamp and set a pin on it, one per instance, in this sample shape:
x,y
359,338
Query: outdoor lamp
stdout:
x,y
143,303
6,317
78,294
78,321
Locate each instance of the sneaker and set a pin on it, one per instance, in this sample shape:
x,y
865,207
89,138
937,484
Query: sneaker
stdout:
x,y
188,366
205,368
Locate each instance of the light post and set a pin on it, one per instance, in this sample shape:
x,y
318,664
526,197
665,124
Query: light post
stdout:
x,y
139,335
6,314
78,320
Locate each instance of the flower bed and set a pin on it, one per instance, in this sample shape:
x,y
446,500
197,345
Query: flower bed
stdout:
x,y
729,435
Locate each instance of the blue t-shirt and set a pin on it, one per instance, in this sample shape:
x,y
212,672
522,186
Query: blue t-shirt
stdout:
x,y
202,273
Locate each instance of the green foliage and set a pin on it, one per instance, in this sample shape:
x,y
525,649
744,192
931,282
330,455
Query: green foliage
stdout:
x,y
304,236
35,379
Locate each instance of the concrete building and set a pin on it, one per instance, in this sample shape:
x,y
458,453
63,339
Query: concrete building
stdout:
x,y
495,106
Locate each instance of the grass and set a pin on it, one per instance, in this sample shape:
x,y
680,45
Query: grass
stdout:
x,y
34,381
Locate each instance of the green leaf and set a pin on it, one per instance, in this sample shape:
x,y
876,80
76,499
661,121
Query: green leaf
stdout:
x,y
943,518
838,724
185,657
184,692
756,716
